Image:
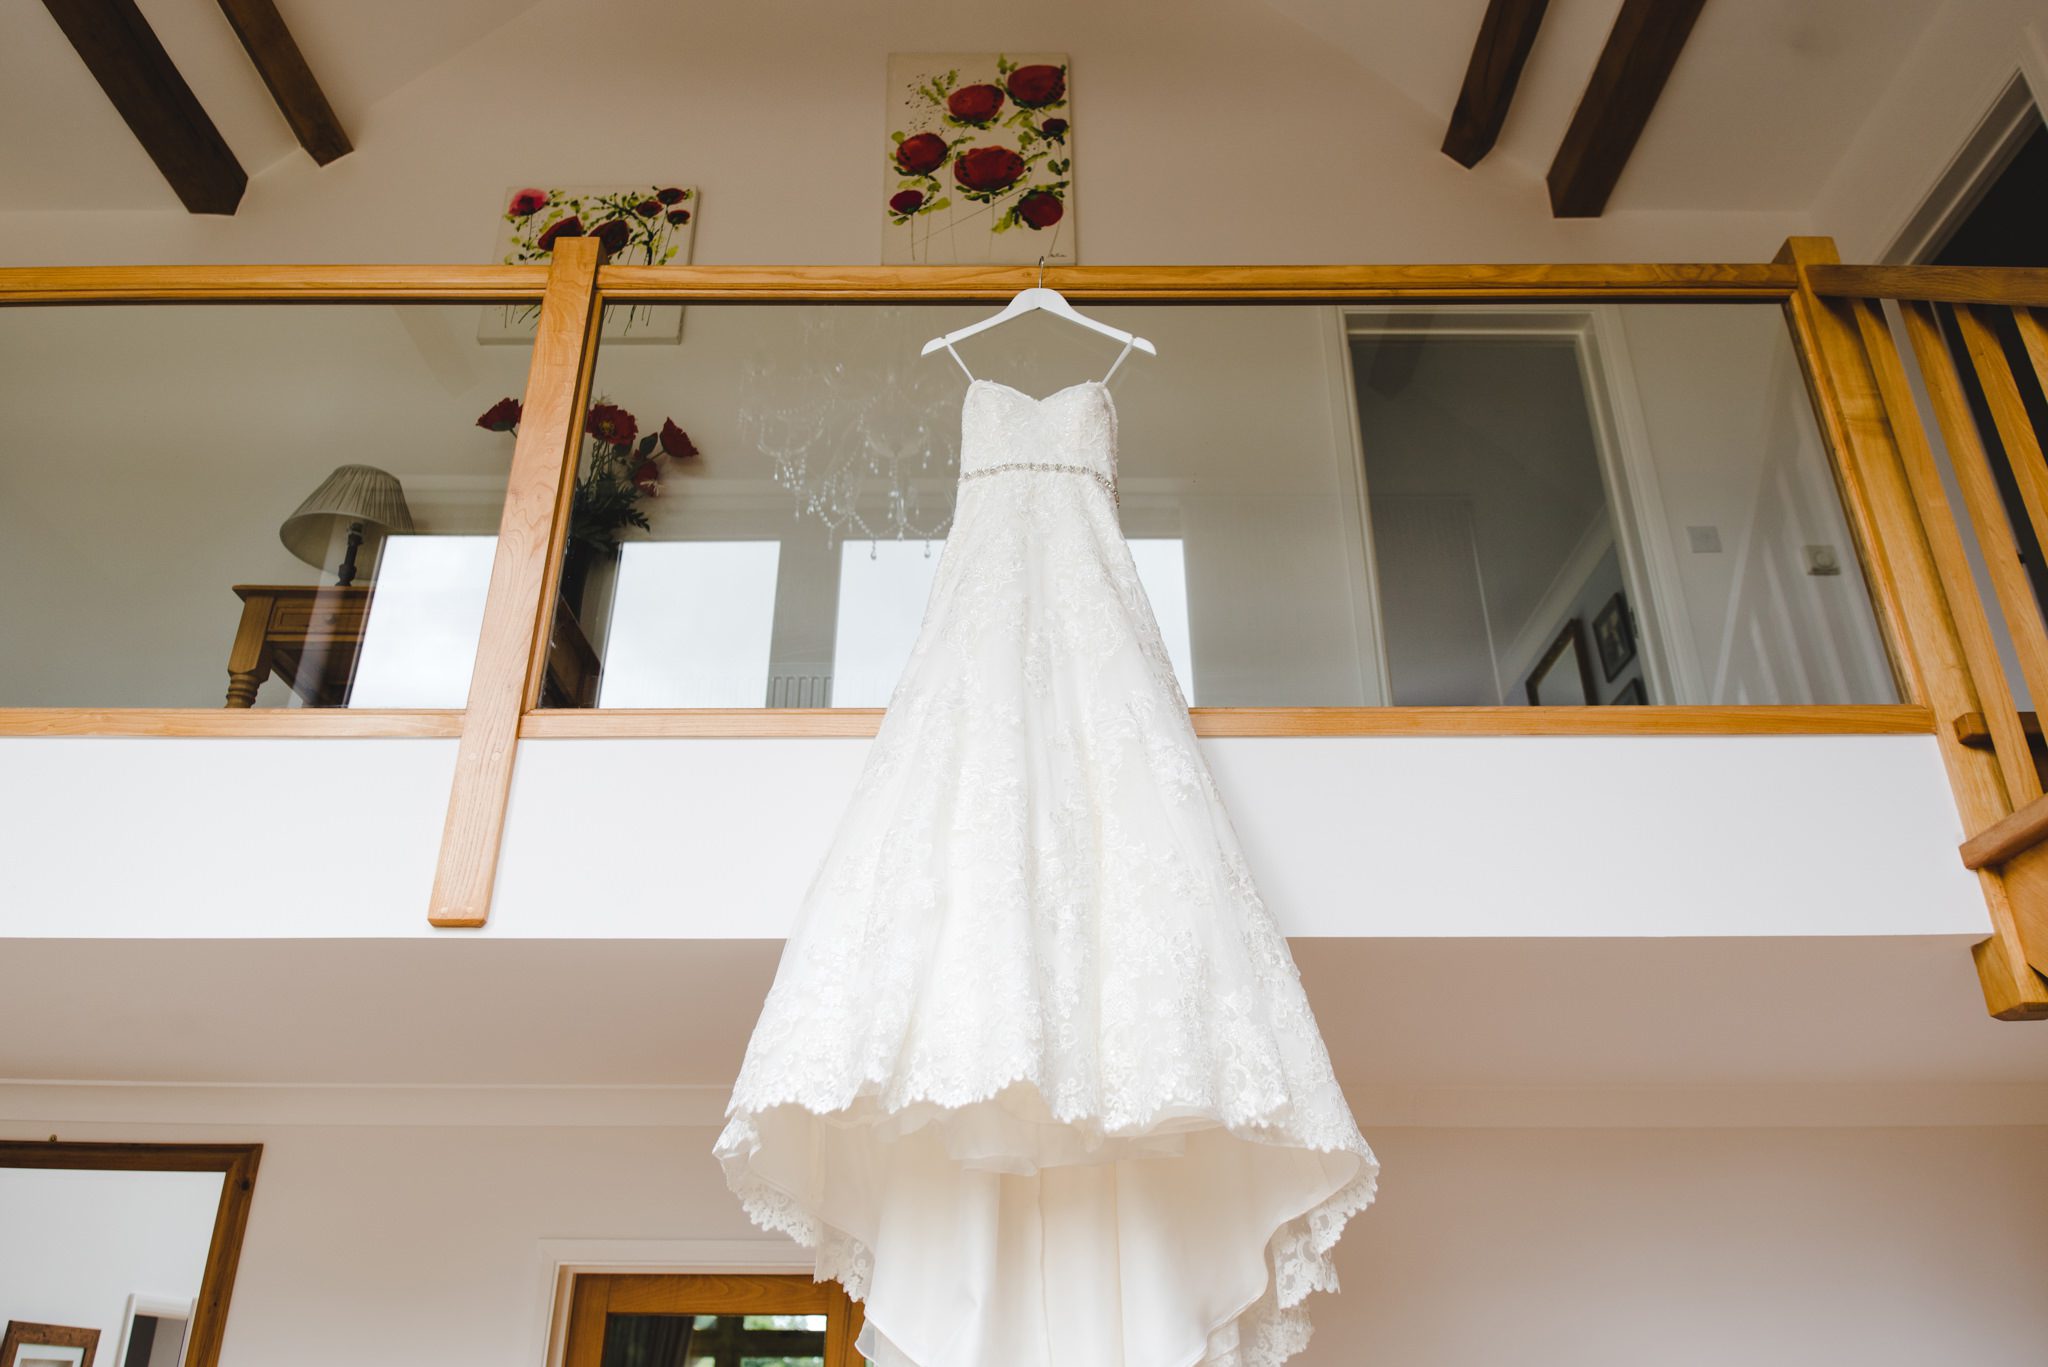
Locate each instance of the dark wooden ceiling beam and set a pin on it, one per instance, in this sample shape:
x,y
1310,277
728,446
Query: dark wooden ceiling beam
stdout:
x,y
122,52
283,67
1644,45
1505,37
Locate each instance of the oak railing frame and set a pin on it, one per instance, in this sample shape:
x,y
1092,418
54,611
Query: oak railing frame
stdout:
x,y
1915,616
1866,394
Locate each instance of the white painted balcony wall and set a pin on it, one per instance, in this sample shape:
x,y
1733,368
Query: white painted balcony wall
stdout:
x,y
717,838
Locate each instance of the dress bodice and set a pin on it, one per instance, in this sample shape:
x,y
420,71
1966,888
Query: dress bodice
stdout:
x,y
1004,429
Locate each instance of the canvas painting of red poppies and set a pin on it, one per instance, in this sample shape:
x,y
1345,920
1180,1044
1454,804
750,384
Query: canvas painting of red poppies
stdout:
x,y
979,162
637,225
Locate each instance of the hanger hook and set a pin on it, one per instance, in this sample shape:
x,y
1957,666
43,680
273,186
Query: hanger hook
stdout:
x,y
1041,270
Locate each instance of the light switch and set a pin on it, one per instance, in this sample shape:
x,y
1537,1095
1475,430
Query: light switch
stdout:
x,y
1823,560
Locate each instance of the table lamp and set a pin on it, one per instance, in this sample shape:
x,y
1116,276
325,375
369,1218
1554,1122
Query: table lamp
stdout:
x,y
356,497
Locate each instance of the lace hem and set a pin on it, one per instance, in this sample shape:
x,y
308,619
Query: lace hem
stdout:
x,y
1265,1333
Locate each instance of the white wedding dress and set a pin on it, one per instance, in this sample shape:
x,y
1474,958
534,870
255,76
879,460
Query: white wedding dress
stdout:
x,y
1036,1077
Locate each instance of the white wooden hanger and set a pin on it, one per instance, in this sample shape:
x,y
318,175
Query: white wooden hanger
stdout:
x,y
1039,299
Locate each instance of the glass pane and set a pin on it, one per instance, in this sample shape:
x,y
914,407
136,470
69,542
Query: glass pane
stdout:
x,y
1327,506
714,1341
182,484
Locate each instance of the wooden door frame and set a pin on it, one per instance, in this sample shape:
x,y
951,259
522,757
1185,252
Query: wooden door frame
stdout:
x,y
592,1297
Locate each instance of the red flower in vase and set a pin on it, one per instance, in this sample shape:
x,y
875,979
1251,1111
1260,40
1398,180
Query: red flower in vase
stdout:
x,y
501,416
987,170
568,227
1034,87
611,424
1040,209
646,478
975,104
921,155
907,202
527,203
675,441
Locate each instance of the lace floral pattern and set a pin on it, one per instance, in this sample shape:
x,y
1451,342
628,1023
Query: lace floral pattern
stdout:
x,y
1035,893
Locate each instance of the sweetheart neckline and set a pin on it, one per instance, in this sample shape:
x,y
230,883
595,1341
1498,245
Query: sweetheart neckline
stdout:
x,y
1068,389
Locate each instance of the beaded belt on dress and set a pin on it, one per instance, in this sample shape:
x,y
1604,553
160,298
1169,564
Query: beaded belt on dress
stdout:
x,y
1108,485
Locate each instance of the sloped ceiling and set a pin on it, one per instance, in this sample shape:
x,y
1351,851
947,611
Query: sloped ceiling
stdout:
x,y
1762,104
1766,98
66,148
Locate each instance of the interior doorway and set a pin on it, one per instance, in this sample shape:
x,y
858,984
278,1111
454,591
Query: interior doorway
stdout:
x,y
1500,484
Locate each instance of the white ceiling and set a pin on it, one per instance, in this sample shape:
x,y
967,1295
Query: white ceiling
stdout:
x,y
1761,106
1398,1014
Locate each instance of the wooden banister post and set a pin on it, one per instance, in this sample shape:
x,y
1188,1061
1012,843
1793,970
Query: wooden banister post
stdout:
x,y
511,650
1899,549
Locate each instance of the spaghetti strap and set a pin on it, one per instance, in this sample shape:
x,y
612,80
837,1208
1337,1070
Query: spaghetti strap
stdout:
x,y
962,364
1119,359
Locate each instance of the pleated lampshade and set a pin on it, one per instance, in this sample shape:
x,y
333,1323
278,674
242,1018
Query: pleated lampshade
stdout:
x,y
353,493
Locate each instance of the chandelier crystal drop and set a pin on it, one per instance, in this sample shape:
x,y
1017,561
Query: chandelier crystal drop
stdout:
x,y
860,430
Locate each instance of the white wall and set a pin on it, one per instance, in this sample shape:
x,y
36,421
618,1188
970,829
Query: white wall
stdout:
x,y
76,1244
1573,1247
1728,431
1836,835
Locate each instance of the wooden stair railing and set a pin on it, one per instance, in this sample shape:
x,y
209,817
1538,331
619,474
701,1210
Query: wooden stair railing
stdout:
x,y
1997,756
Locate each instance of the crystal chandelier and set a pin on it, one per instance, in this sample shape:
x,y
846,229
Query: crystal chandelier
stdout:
x,y
862,432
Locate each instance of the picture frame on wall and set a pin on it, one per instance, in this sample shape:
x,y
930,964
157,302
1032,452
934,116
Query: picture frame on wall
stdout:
x,y
1614,634
27,1344
648,224
978,168
1564,676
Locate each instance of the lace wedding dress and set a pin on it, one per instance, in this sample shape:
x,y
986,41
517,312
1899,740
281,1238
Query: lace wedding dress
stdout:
x,y
1036,1077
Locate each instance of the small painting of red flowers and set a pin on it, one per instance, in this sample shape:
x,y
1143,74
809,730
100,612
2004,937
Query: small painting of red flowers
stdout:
x,y
650,224
980,165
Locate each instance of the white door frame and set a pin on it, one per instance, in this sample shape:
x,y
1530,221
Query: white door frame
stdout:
x,y
1649,560
2011,118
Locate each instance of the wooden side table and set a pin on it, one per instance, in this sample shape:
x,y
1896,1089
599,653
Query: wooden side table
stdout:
x,y
311,635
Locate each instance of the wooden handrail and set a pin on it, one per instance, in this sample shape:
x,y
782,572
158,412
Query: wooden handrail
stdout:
x,y
1708,281
2021,286
1136,284
268,284
1863,720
